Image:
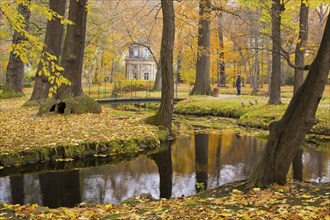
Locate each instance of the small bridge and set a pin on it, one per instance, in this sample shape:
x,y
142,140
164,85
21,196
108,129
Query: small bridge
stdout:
x,y
132,101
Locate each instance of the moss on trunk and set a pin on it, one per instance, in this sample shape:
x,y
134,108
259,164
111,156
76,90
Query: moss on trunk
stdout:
x,y
71,105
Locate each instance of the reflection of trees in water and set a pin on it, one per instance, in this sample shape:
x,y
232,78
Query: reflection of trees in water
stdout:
x,y
183,151
60,188
215,159
115,183
17,189
315,165
5,189
201,160
236,153
163,160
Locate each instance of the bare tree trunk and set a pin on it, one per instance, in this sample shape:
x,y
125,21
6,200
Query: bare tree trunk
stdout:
x,y
299,74
112,72
275,89
254,31
287,134
222,75
256,60
322,13
15,69
297,166
73,51
53,42
202,83
165,111
179,67
269,69
300,47
158,80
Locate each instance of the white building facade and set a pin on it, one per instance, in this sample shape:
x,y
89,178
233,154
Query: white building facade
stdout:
x,y
140,64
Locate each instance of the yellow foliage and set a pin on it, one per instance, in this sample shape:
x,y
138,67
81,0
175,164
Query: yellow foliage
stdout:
x,y
32,46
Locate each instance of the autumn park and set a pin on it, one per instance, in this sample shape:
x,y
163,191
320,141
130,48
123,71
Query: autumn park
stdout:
x,y
164,109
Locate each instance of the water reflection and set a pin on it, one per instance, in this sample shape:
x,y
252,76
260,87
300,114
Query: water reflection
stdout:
x,y
164,164
60,188
201,166
206,159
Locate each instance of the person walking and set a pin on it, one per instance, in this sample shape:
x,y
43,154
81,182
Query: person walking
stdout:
x,y
238,83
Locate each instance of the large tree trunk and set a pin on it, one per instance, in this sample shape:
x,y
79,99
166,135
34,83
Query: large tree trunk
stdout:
x,y
165,111
69,98
15,69
73,51
202,82
221,69
300,47
53,45
287,134
299,74
275,89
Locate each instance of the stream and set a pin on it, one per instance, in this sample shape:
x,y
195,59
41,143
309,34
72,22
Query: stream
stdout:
x,y
190,164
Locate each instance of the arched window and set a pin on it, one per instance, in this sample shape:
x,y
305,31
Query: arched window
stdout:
x,y
146,76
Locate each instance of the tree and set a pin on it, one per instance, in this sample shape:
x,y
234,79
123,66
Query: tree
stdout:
x,y
275,86
165,112
15,69
299,73
221,69
69,98
300,46
53,45
287,134
202,83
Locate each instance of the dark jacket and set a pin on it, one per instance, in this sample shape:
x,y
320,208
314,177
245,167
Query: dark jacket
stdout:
x,y
238,80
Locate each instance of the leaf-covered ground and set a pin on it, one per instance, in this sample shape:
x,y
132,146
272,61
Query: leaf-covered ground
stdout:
x,y
294,201
21,129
